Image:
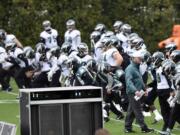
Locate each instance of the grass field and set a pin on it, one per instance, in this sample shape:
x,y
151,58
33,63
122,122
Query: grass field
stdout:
x,y
9,112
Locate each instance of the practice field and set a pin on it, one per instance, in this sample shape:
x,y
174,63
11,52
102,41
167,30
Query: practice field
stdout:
x,y
9,112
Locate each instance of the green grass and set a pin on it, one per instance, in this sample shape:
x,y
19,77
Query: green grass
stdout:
x,y
9,112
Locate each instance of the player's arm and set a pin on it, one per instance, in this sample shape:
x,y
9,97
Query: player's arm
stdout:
x,y
78,38
18,43
42,38
118,58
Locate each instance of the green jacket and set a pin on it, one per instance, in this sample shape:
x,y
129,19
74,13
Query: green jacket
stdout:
x,y
134,81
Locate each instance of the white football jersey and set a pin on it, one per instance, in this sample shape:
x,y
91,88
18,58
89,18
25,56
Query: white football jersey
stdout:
x,y
54,62
3,56
102,36
73,37
15,54
31,62
98,51
108,56
45,66
50,38
9,38
62,61
162,82
84,59
7,65
72,54
123,39
143,47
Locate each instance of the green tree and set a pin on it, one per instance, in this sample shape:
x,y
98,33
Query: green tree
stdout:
x,y
151,19
27,17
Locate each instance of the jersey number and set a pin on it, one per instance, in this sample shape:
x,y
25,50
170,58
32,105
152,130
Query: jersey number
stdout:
x,y
51,39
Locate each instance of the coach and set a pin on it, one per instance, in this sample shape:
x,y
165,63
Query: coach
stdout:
x,y
134,84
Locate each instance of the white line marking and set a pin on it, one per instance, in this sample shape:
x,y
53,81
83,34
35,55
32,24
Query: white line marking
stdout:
x,y
11,93
138,125
18,116
9,101
178,129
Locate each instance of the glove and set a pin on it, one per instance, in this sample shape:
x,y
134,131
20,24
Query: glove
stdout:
x,y
170,99
138,95
171,103
101,67
50,75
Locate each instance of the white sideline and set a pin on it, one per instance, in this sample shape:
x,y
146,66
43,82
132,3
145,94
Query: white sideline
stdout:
x,y
138,125
18,116
11,93
9,101
176,129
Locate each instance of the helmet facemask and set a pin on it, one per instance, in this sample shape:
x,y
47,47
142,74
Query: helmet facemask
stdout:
x,y
83,50
47,26
70,24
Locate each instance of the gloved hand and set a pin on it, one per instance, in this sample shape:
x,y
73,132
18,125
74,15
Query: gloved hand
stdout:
x,y
170,99
172,103
101,67
50,75
138,94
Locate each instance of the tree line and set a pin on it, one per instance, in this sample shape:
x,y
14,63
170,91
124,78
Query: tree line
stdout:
x,y
151,19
